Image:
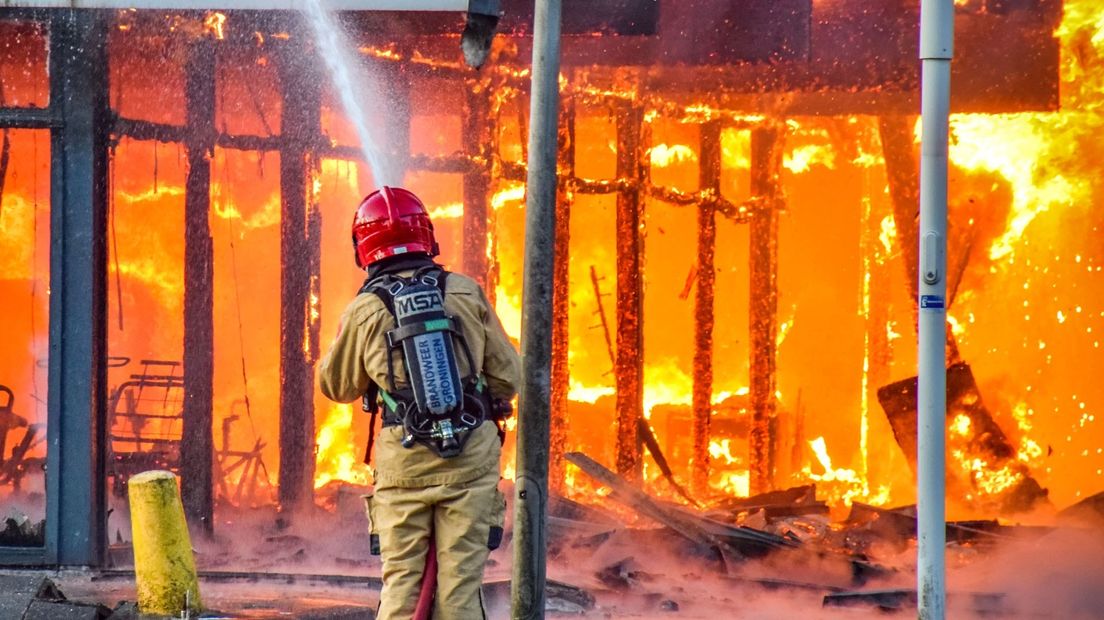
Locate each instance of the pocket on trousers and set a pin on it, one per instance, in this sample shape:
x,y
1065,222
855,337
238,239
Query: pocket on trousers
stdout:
x,y
373,526
498,521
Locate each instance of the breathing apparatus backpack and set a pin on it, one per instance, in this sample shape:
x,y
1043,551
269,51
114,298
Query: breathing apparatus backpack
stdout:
x,y
439,409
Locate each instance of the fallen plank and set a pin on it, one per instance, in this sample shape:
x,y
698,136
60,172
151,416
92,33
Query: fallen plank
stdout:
x,y
562,507
558,596
984,603
805,494
645,433
734,541
783,584
884,600
774,511
901,522
985,440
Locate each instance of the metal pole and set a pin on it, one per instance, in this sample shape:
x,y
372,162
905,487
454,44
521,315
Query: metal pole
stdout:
x,y
77,399
936,50
534,404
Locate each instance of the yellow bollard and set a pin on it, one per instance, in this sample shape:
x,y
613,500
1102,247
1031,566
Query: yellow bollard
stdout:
x,y
164,566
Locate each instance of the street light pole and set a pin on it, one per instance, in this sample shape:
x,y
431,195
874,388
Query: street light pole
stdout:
x,y
534,404
936,51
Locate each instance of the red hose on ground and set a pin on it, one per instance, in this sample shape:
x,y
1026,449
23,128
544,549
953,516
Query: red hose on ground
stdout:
x,y
424,609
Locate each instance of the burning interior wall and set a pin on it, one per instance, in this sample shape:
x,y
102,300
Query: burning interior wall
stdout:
x,y
656,166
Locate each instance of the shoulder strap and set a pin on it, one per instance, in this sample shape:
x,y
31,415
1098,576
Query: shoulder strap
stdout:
x,y
380,286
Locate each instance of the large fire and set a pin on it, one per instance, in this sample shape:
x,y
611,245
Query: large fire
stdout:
x,y
1026,313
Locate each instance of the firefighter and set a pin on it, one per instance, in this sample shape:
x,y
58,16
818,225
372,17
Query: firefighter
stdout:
x,y
424,347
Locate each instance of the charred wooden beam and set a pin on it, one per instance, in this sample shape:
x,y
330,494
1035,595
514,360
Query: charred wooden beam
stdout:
x,y
629,369
766,166
314,274
794,496
197,440
476,139
648,438
983,440
561,372
980,603
702,400
733,541
903,176
301,127
27,118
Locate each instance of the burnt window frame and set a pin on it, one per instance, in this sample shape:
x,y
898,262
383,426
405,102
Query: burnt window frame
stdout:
x,y
78,120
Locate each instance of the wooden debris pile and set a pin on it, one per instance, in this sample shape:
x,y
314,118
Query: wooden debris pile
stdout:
x,y
786,529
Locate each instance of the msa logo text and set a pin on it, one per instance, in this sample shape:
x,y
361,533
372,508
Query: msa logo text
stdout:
x,y
417,302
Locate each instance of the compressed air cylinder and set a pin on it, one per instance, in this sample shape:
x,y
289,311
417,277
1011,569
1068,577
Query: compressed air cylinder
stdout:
x,y
164,565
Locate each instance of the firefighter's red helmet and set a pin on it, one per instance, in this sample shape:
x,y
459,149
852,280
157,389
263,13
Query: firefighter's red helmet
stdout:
x,y
389,222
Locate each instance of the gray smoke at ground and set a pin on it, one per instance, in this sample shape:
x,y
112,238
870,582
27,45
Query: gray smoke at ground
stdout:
x,y
1058,575
634,569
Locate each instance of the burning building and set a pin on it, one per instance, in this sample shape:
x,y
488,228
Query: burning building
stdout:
x,y
734,269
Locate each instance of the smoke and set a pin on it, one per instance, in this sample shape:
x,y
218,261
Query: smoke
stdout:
x,y
1058,575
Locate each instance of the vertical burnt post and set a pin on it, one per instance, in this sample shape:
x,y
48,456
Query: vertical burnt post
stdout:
x,y
476,139
197,441
903,176
300,132
630,289
561,372
709,181
314,271
878,349
766,164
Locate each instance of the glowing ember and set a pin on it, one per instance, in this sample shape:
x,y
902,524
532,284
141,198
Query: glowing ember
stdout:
x,y
736,484
215,23
961,425
804,157
722,450
663,155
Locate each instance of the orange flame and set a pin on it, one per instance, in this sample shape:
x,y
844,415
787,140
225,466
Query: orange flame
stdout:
x,y
336,453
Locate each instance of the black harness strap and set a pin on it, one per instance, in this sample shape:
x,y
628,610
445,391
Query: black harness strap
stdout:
x,y
397,335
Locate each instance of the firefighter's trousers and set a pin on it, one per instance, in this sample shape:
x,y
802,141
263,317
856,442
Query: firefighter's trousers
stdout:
x,y
460,517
